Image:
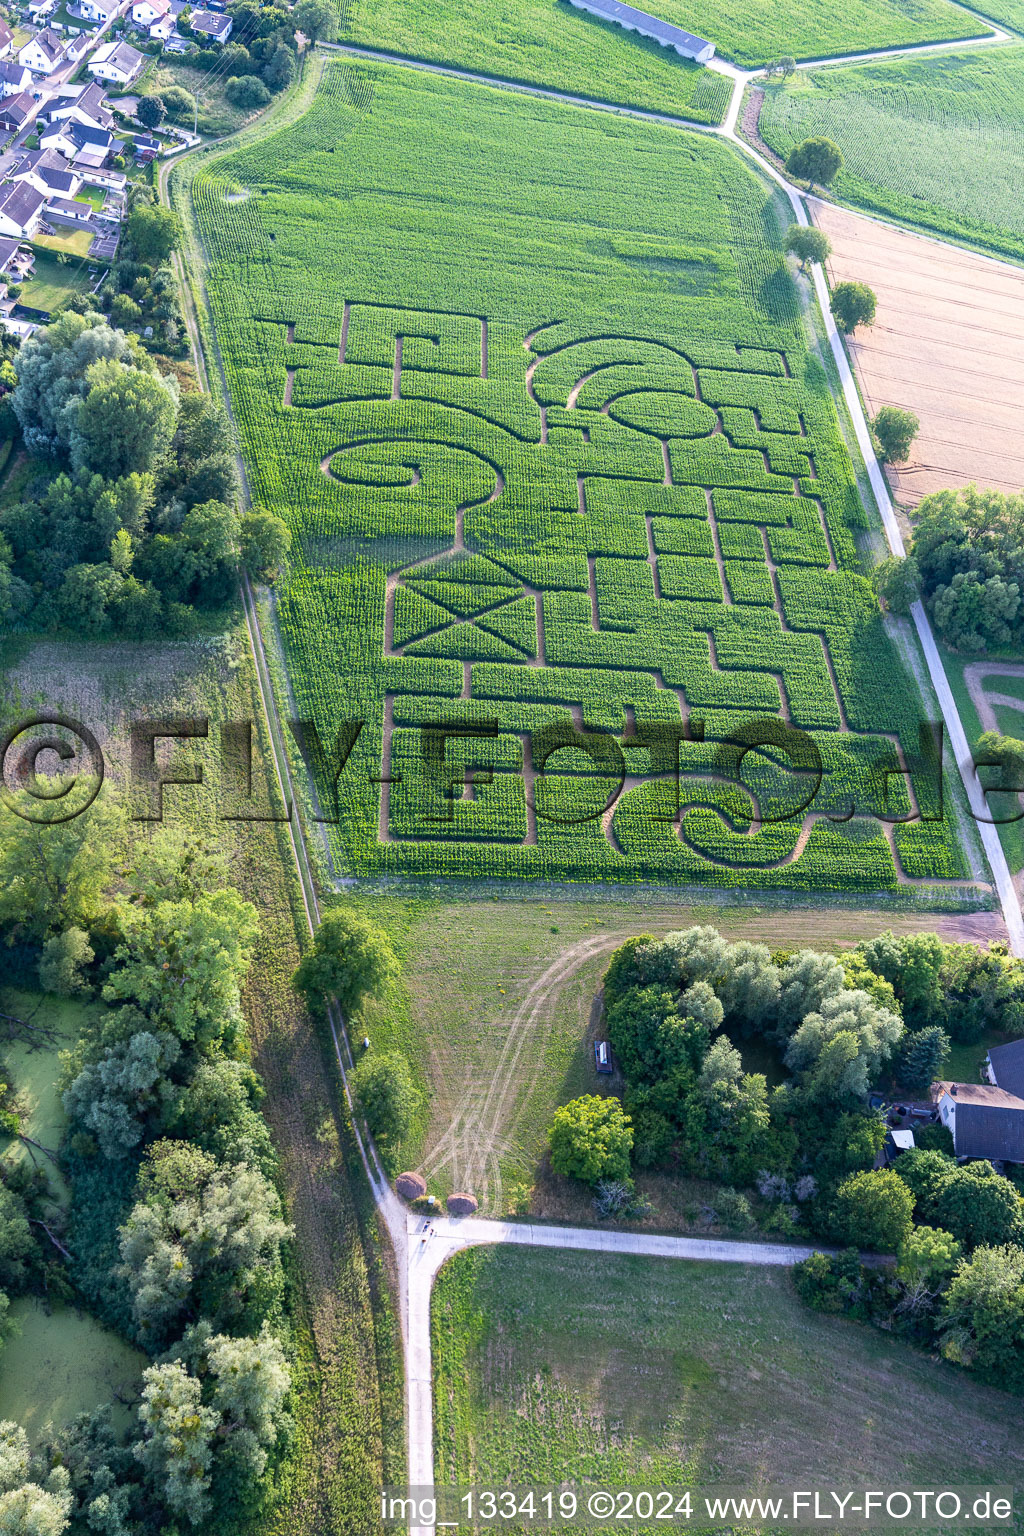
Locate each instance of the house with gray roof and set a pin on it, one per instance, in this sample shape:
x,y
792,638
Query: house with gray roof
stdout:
x,y
1004,1067
21,208
626,16
983,1119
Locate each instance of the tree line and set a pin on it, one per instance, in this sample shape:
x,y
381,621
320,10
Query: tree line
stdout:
x,y
174,1234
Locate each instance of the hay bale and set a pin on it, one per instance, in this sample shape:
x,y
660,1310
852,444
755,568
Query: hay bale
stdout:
x,y
461,1204
411,1186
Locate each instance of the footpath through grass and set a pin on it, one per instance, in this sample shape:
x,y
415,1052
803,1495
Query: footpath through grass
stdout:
x,y
630,1371
934,141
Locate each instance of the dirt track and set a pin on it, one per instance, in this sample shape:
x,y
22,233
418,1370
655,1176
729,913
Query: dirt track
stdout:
x,y
947,344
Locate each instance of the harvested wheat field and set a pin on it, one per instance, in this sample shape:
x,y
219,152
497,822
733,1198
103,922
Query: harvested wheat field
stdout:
x,y
947,343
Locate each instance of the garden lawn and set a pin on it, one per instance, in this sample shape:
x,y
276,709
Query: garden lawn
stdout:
x,y
549,43
933,141
51,284
621,1371
530,385
76,242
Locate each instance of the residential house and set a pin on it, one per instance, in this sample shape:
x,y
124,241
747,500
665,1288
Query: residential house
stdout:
x,y
983,1119
6,41
112,181
14,78
16,111
1004,1067
146,12
48,172
146,147
38,9
116,61
210,24
632,20
81,104
42,53
21,208
87,147
164,28
97,10
64,210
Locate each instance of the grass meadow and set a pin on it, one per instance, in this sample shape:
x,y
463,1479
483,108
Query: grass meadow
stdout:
x,y
615,1370
934,141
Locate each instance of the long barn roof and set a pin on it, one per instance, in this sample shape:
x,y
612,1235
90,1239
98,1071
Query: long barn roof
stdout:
x,y
615,10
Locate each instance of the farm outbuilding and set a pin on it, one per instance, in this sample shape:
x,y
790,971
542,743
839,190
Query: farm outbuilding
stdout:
x,y
684,43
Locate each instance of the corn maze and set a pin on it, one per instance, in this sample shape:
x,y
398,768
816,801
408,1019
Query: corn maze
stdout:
x,y
574,591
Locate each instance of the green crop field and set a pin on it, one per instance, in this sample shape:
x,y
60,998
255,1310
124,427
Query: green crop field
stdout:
x,y
531,387
933,141
623,1371
1009,12
549,43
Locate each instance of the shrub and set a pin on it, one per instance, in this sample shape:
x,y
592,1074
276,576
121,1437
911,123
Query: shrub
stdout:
x,y
247,92
873,1210
591,1139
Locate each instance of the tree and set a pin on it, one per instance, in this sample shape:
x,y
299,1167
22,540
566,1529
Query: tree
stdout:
x,y
180,104
927,1256
181,964
65,956
786,66
895,430
151,111
726,1116
815,160
204,1241
53,877
591,1139
125,420
853,304
250,1380
924,1172
247,92
16,1241
750,987
873,1210
266,540
53,373
838,1051
351,959
154,232
979,1207
126,1092
983,1315
897,582
27,1507
176,1450
318,20
921,1058
974,613
386,1095
279,69
806,981
806,244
